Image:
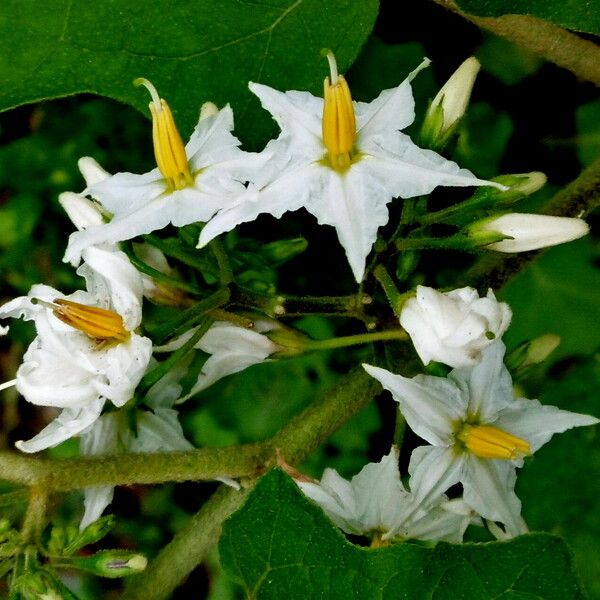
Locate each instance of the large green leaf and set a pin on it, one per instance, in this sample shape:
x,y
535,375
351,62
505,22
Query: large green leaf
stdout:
x,y
572,14
558,293
192,51
280,545
559,485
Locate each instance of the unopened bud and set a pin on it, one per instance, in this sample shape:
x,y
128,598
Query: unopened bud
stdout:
x,y
290,342
281,251
111,563
523,232
449,105
531,353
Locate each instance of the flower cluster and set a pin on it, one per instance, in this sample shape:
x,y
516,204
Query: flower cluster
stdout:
x,y
93,357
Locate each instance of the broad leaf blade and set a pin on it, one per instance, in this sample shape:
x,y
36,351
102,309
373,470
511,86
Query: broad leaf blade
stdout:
x,y
280,545
192,51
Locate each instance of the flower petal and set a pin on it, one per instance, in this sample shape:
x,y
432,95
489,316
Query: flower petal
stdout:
x,y
430,405
69,423
355,204
95,501
530,420
432,471
489,488
159,431
488,384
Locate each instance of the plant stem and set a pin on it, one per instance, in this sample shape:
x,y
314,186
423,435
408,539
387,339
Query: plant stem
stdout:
x,y
566,49
187,318
225,272
35,515
356,340
188,548
395,298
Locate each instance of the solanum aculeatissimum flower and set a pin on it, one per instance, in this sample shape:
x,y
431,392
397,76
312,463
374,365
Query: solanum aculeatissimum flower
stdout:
x,y
453,327
156,430
376,503
341,160
479,433
86,350
529,231
231,349
189,184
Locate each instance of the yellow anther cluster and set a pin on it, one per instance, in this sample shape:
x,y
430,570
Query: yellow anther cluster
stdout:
x,y
339,121
101,324
169,149
488,441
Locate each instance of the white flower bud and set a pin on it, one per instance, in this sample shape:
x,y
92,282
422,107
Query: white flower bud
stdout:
x,y
529,232
453,327
454,96
82,211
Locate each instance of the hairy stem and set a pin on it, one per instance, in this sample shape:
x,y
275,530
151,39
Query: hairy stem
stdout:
x,y
557,45
35,515
297,440
188,548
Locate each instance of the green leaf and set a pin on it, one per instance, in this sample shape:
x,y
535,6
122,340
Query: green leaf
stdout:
x,y
558,293
587,118
572,14
192,51
559,486
281,545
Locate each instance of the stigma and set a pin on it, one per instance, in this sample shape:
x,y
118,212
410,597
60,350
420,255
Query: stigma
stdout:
x,y
339,121
487,441
169,150
104,326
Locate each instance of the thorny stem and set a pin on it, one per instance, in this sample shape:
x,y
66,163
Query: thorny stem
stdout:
x,y
566,49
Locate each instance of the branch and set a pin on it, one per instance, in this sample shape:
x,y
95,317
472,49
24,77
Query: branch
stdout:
x,y
578,199
566,49
297,440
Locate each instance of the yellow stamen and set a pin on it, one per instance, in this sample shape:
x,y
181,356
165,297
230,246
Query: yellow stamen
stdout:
x,y
339,121
488,441
168,146
101,324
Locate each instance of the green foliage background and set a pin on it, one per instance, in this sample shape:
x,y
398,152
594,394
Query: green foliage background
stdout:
x,y
525,115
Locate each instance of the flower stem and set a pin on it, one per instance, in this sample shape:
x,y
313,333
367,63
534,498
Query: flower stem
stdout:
x,y
187,318
356,340
35,515
395,298
225,272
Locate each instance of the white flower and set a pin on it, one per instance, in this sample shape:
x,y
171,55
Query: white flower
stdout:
x,y
189,185
453,327
343,161
231,348
478,433
453,97
86,350
156,430
375,503
529,232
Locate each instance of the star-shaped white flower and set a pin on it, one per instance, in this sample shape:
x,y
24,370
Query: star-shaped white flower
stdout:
x,y
376,503
86,350
453,327
157,430
341,160
189,185
231,348
478,433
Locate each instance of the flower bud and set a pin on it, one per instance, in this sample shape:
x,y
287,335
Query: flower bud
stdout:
x,y
449,105
525,232
281,251
111,563
531,353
